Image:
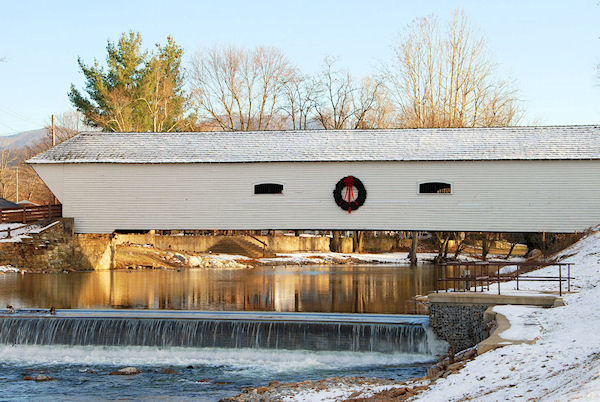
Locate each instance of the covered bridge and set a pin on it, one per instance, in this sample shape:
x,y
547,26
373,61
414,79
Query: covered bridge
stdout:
x,y
517,179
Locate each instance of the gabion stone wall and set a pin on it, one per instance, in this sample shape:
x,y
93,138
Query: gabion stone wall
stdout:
x,y
461,325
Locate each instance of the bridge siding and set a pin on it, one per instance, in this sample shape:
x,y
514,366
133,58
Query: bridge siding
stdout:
x,y
503,196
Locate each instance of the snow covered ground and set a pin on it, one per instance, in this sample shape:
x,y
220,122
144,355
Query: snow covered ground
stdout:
x,y
382,258
19,231
563,364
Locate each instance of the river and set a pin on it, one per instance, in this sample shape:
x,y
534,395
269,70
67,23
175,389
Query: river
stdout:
x,y
205,373
318,288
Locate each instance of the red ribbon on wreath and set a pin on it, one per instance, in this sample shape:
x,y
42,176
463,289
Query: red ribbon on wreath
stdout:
x,y
349,183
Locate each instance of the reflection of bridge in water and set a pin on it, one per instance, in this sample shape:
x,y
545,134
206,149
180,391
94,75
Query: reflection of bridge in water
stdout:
x,y
347,289
183,328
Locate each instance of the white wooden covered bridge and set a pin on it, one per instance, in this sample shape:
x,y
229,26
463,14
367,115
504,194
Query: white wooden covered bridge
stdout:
x,y
519,179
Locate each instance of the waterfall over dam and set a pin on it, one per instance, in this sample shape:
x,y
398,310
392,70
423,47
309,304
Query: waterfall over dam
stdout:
x,y
177,328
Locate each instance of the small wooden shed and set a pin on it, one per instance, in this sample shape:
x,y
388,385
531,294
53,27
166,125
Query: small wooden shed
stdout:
x,y
515,179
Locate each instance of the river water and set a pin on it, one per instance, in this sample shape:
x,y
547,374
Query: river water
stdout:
x,y
206,373
319,288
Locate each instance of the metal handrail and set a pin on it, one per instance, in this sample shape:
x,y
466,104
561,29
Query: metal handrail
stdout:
x,y
484,277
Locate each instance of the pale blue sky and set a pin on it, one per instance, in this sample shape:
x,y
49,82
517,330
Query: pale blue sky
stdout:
x,y
550,48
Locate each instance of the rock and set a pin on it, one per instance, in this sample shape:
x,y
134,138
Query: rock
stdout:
x,y
398,391
535,255
456,366
469,354
273,383
169,371
42,378
126,371
27,378
204,380
261,390
180,257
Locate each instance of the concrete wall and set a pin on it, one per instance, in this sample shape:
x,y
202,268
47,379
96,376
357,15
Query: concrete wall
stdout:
x,y
97,249
384,244
199,244
494,196
294,244
203,244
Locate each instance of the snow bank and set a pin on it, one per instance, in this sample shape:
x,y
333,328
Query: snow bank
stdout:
x,y
523,323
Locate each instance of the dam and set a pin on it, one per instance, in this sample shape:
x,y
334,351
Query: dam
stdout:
x,y
385,333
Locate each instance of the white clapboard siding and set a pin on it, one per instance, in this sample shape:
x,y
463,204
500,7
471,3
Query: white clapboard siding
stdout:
x,y
499,196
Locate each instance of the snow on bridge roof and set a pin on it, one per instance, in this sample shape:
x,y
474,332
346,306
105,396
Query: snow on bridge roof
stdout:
x,y
431,144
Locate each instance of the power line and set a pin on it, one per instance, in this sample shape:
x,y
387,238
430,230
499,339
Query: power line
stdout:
x,y
18,116
9,127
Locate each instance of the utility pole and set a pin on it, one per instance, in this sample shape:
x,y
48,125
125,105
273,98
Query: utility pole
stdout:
x,y
53,199
53,132
17,184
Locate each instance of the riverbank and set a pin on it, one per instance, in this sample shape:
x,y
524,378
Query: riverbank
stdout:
x,y
53,247
141,257
562,363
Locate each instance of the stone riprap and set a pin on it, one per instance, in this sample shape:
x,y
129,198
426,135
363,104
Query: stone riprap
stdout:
x,y
461,325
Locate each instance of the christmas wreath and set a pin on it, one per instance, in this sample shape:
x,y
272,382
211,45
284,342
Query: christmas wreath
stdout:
x,y
349,201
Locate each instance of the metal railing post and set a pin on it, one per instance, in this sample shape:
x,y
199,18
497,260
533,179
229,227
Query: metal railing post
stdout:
x,y
445,278
560,280
568,277
498,275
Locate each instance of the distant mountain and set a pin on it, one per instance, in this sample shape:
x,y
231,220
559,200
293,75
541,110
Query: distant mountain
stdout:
x,y
22,139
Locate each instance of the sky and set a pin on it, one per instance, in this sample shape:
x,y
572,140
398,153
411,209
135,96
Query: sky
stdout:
x,y
548,48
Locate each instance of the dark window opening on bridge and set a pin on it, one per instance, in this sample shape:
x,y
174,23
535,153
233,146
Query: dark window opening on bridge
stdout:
x,y
268,188
435,188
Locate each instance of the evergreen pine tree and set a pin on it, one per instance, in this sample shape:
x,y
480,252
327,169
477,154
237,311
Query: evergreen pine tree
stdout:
x,y
138,90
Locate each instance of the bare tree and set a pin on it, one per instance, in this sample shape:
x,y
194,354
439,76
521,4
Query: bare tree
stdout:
x,y
240,89
444,78
69,124
340,102
7,159
373,106
299,103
